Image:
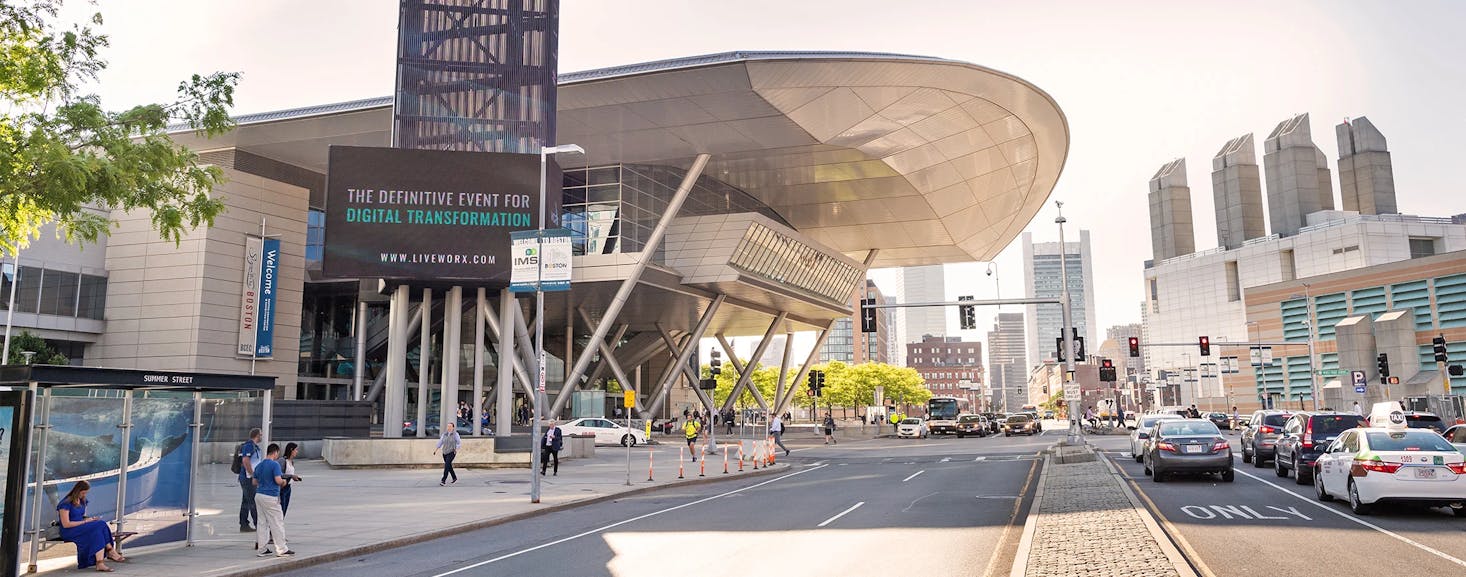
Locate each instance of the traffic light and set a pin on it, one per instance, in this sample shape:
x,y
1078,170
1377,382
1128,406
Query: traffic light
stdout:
x,y
1134,346
708,384
1456,370
1107,371
715,366
1440,349
1205,343
1079,355
1384,365
966,315
819,384
867,315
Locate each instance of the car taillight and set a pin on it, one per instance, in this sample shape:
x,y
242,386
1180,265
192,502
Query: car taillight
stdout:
x,y
1220,446
1308,435
1267,429
1457,468
1362,468
1164,446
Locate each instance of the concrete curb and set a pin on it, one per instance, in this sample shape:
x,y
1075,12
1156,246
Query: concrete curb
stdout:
x,y
1030,525
1173,554
294,564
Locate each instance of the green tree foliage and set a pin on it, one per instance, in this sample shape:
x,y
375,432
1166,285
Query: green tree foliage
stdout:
x,y
62,152
27,342
845,385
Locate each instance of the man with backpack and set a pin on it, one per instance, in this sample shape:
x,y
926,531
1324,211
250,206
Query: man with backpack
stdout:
x,y
246,457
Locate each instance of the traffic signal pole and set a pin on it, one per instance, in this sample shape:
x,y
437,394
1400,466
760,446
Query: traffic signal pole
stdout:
x,y
1065,328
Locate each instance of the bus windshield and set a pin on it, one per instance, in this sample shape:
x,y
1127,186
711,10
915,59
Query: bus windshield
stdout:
x,y
942,409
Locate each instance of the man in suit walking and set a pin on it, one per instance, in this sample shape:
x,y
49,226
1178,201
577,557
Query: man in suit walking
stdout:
x,y
550,448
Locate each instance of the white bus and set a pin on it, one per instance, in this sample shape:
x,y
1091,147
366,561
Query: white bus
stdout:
x,y
941,413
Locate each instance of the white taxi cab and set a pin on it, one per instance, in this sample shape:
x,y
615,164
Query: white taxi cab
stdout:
x,y
1393,463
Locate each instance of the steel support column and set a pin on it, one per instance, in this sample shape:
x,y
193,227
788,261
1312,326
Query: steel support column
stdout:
x,y
394,400
814,354
623,293
745,374
358,376
480,303
452,349
424,361
784,366
685,351
504,389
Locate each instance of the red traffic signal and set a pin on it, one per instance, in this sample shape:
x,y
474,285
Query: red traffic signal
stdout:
x,y
1205,346
1107,363
1134,346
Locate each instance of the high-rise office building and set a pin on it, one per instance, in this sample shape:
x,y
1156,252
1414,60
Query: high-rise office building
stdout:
x,y
1171,233
1042,273
1007,362
848,344
924,284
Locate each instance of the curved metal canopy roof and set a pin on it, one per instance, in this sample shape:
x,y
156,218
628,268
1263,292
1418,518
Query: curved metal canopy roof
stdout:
x,y
928,160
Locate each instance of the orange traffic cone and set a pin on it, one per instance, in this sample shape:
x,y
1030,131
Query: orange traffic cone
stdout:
x,y
725,459
679,462
770,446
649,464
740,457
702,467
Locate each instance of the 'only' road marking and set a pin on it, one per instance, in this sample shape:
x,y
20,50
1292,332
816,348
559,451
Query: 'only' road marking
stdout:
x,y
1209,512
841,514
913,475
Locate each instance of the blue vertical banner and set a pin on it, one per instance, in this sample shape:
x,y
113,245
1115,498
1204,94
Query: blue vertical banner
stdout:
x,y
269,287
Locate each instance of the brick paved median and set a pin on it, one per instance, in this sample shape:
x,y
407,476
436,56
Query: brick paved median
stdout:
x,y
1086,526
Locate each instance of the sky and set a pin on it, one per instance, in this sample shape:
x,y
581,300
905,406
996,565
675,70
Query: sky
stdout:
x,y
1141,83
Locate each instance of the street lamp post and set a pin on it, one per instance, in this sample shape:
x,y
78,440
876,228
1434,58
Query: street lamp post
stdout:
x,y
1310,324
1065,330
539,324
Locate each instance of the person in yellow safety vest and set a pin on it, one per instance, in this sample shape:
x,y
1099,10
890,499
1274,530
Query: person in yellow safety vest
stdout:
x,y
896,418
690,429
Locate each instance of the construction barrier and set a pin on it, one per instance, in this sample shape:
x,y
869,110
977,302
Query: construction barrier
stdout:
x,y
725,459
770,446
740,457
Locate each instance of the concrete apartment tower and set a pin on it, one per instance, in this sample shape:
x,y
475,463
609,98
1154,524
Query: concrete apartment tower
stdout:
x,y
1366,176
1171,232
1298,181
1237,189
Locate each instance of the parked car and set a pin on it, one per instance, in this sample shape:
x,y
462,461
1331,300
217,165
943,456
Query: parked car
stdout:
x,y
606,431
1304,438
1188,446
971,425
409,428
1221,420
1394,464
913,427
1261,434
1144,428
1020,424
1456,436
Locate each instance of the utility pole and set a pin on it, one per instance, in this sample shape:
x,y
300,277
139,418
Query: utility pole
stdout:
x,y
1068,318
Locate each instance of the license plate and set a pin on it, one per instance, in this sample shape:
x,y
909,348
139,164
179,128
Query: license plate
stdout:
x,y
1424,473
1194,448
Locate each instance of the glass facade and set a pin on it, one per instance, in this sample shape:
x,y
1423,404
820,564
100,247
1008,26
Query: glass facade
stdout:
x,y
53,292
315,237
778,257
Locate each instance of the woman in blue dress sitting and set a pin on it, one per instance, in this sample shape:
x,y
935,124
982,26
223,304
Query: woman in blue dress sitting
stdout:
x,y
91,535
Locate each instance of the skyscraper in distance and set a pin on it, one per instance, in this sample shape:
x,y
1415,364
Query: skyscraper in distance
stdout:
x,y
1007,362
1041,279
924,284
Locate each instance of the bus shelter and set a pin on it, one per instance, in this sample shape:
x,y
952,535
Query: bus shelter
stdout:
x,y
134,435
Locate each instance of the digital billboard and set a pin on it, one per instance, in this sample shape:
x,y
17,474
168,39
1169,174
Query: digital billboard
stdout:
x,y
430,214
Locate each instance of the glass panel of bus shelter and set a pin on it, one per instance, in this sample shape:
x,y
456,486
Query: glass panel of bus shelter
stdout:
x,y
227,419
161,467
84,443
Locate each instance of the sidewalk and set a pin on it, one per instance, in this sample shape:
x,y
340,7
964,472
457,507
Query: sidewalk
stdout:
x,y
338,513
1085,521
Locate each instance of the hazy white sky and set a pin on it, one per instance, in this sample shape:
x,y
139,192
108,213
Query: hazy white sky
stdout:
x,y
1140,82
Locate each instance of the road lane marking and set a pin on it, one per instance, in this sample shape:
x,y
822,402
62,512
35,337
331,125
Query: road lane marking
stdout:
x,y
913,475
993,561
945,459
841,514
918,500
620,523
1401,538
978,459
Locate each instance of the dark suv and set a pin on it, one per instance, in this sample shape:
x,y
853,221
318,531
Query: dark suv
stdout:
x,y
1307,435
1261,433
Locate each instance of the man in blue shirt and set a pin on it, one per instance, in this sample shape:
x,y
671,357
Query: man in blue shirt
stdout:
x,y
267,500
249,457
